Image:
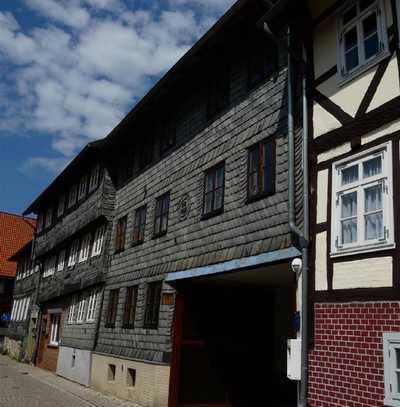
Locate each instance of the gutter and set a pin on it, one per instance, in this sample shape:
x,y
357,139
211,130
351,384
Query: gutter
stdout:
x,y
302,236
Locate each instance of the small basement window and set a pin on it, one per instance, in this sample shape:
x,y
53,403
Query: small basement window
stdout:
x,y
111,373
391,349
131,377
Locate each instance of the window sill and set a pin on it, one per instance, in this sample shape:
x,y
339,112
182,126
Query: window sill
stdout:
x,y
137,243
119,251
391,403
254,198
109,326
53,345
152,327
360,250
128,326
343,80
157,235
212,214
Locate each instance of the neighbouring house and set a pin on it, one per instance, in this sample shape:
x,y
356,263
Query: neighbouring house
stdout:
x,y
71,247
200,298
355,352
22,329
15,232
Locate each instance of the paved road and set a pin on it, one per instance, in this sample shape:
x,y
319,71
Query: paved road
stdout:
x,y
26,386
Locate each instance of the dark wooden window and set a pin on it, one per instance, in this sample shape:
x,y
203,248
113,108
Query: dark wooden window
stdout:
x,y
219,89
120,234
112,308
263,60
214,183
125,169
139,225
146,153
168,137
153,298
130,307
261,169
161,215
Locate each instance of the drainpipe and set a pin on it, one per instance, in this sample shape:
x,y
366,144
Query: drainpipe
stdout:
x,y
303,236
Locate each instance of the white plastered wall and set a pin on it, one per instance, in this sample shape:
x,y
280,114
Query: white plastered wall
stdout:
x,y
366,273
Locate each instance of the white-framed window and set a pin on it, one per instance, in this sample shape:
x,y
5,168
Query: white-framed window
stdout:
x,y
98,240
49,266
73,253
61,260
55,329
94,177
81,310
12,317
85,248
72,195
49,217
82,187
27,302
71,311
91,312
61,205
362,35
19,310
391,359
362,202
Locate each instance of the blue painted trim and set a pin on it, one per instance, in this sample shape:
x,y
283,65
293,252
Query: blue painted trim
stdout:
x,y
237,264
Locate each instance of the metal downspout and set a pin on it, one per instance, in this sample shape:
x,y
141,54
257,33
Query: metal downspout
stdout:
x,y
303,235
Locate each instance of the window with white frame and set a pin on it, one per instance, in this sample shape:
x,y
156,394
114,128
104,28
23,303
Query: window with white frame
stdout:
x,y
91,312
94,177
49,217
391,358
28,300
72,195
73,253
61,205
49,266
98,241
55,329
71,311
81,310
82,187
85,248
61,260
13,309
17,304
362,204
362,35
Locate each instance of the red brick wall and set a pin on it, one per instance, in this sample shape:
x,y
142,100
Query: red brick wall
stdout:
x,y
346,364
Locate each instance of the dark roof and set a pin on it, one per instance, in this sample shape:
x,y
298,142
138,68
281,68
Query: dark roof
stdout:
x,y
81,157
272,8
15,232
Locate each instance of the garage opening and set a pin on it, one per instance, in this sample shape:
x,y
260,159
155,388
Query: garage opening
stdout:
x,y
231,344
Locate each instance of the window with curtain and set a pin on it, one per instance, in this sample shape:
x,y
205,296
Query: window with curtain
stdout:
x,y
153,299
362,209
362,35
261,169
120,234
130,307
161,215
214,181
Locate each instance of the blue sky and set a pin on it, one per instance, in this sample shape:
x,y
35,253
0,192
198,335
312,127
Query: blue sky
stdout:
x,y
71,69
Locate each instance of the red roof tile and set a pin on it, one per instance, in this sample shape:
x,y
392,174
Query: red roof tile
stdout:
x,y
15,232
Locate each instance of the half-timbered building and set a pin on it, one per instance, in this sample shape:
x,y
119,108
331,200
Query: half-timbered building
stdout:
x,y
355,354
200,295
73,230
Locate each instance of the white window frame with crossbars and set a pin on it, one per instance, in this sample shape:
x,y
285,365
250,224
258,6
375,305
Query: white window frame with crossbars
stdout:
x,y
340,190
377,7
98,241
391,365
85,247
91,309
80,316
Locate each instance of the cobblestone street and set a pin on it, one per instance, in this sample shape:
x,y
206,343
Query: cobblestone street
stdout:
x,y
22,385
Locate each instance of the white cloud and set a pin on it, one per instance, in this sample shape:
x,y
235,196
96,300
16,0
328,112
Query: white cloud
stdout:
x,y
75,78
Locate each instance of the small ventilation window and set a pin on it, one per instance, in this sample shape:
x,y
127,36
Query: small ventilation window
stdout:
x,y
131,377
111,373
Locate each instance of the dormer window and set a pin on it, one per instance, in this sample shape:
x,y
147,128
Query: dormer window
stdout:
x,y
362,35
82,187
72,196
